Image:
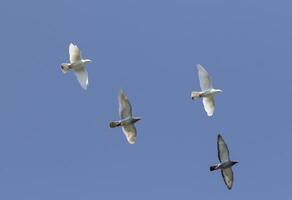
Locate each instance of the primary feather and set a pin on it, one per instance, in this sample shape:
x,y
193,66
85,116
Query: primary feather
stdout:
x,y
74,52
205,79
82,77
125,108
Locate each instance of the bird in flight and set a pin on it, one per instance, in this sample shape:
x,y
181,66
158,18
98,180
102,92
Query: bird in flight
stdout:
x,y
208,92
127,121
225,162
77,64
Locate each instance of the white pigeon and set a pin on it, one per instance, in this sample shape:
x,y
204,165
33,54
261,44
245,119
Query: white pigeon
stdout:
x,y
77,64
127,122
225,162
208,92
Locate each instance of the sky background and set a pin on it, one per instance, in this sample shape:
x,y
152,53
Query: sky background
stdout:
x,y
55,142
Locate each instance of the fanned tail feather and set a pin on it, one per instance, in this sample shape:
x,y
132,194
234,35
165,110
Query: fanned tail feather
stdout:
x,y
212,168
114,124
65,67
196,95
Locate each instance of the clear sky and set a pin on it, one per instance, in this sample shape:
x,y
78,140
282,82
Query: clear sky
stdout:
x,y
55,143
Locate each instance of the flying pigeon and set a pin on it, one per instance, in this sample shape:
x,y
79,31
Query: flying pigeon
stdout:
x,y
127,122
208,92
225,163
77,64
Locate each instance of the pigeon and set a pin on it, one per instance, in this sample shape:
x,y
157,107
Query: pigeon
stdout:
x,y
208,92
225,162
127,122
77,64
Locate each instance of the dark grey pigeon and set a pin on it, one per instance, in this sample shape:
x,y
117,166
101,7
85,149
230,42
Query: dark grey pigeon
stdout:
x,y
127,121
225,162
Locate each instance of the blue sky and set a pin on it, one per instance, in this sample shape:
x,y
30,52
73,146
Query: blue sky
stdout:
x,y
55,142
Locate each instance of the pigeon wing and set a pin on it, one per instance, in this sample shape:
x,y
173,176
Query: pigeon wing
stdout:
x,y
223,152
209,105
205,79
74,52
130,133
125,108
227,175
82,77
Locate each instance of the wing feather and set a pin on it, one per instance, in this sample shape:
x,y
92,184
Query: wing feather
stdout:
x,y
205,79
82,77
227,175
223,152
209,105
130,133
74,52
125,108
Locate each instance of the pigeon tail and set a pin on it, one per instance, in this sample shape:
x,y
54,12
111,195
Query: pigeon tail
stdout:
x,y
196,95
214,167
114,124
65,67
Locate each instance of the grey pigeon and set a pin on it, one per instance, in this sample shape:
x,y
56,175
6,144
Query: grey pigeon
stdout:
x,y
225,162
127,122
77,64
208,92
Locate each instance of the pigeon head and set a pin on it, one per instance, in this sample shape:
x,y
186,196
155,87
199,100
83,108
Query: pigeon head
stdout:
x,y
234,162
85,61
137,119
217,91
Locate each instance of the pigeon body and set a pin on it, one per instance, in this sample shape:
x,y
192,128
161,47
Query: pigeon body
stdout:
x,y
77,64
127,121
223,165
225,162
208,92
124,122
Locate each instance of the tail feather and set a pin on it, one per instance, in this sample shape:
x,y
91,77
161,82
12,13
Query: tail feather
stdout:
x,y
196,95
65,67
214,167
114,124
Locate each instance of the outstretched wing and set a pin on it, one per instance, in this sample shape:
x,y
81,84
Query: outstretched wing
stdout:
x,y
205,79
209,105
130,133
82,77
74,52
223,152
227,175
125,108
